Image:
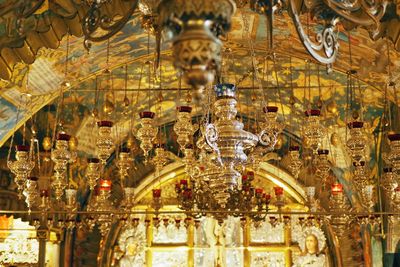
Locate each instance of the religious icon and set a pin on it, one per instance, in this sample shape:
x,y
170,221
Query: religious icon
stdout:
x,y
133,242
312,242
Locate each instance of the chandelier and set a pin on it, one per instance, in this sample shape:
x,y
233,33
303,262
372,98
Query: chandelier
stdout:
x,y
220,165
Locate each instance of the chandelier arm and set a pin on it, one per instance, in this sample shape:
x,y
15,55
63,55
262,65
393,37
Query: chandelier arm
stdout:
x,y
95,21
327,40
371,14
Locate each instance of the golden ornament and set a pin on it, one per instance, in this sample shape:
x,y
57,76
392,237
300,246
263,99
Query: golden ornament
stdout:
x,y
46,144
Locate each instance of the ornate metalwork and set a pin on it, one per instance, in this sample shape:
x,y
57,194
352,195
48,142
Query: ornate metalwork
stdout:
x,y
21,167
105,142
327,46
97,25
295,162
195,27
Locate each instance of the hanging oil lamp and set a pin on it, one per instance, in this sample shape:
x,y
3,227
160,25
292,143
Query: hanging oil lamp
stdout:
x,y
295,163
160,158
339,206
271,128
124,162
71,206
147,132
21,167
322,165
229,141
31,192
356,144
393,157
367,197
194,30
61,156
313,131
360,175
105,141
93,172
103,205
183,127
388,181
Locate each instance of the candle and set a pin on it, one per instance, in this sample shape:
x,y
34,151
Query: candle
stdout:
x,y
184,182
337,189
267,196
244,177
156,192
259,191
105,185
278,190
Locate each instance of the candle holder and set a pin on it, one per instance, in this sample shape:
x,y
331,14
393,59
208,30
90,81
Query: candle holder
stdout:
x,y
295,162
21,167
147,132
105,142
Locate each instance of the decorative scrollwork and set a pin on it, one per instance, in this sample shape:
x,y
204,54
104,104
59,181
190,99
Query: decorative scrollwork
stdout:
x,y
97,25
265,138
327,46
211,135
365,13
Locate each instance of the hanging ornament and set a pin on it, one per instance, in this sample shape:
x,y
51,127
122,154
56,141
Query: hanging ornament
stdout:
x,y
312,130
105,141
102,204
31,192
356,144
61,156
160,158
147,133
271,128
124,162
93,172
322,165
183,127
21,167
360,175
295,163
